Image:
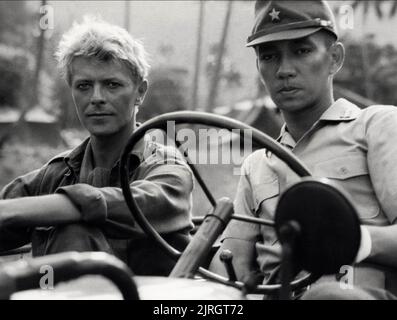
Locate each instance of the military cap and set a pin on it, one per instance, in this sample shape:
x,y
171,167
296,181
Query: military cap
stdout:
x,y
286,20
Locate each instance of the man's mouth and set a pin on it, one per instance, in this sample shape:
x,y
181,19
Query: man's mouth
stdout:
x,y
99,114
288,90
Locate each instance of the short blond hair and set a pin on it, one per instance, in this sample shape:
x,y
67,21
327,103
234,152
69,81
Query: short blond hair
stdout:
x,y
95,37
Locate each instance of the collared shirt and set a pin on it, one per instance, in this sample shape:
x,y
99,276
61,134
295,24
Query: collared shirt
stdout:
x,y
161,183
353,147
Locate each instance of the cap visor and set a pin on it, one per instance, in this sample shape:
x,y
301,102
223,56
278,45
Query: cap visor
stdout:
x,y
283,35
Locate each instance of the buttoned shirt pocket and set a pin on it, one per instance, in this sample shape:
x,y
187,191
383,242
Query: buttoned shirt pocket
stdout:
x,y
350,171
343,167
266,197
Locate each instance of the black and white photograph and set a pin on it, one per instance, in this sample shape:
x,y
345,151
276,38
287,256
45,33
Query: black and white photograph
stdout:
x,y
198,154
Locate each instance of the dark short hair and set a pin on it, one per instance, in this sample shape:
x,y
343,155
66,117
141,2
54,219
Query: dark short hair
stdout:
x,y
329,38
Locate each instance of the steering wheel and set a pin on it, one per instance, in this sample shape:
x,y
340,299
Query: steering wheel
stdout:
x,y
202,118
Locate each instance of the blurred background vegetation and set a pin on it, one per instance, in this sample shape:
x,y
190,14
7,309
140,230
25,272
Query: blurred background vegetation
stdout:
x,y
198,63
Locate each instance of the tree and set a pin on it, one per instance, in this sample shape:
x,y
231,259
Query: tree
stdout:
x,y
29,85
15,22
15,66
228,72
378,7
218,62
38,64
16,61
127,11
166,92
382,73
196,78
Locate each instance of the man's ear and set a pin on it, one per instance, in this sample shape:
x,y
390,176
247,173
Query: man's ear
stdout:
x,y
337,57
142,89
256,57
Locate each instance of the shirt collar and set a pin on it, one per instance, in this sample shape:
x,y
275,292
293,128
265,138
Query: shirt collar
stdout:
x,y
285,138
341,110
75,157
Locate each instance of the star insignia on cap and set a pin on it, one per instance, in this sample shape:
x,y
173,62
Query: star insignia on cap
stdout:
x,y
275,15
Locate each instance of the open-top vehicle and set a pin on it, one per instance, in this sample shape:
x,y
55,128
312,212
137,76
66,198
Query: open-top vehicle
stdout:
x,y
315,221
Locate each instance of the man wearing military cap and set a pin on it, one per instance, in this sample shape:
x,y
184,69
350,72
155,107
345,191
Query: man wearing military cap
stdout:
x,y
298,54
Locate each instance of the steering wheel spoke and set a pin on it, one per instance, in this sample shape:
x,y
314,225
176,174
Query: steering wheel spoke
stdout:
x,y
259,138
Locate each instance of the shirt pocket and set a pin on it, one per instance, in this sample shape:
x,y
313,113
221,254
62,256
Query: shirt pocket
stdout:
x,y
265,196
342,168
351,173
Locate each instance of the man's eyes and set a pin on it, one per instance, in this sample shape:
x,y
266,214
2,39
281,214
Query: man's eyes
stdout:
x,y
303,51
266,56
113,85
83,86
109,84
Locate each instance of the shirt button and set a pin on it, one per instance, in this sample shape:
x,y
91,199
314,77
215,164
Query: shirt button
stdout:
x,y
343,170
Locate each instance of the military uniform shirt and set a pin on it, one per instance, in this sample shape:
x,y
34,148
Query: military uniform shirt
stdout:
x,y
355,148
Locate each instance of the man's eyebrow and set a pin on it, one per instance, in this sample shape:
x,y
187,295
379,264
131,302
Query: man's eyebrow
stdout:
x,y
81,79
112,79
266,47
305,40
89,79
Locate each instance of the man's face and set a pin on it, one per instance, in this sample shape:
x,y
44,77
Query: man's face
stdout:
x,y
296,72
105,95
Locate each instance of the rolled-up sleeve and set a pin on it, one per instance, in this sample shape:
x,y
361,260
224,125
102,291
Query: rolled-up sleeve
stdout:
x,y
162,188
89,200
22,186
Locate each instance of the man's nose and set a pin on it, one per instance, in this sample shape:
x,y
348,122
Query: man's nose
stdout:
x,y
286,69
97,95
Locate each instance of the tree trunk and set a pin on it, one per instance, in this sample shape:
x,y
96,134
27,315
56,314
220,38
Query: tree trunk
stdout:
x,y
127,16
196,79
366,63
218,64
369,88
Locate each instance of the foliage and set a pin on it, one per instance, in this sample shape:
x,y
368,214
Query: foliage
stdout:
x,y
230,76
63,103
166,92
16,66
381,74
17,159
17,50
16,19
377,6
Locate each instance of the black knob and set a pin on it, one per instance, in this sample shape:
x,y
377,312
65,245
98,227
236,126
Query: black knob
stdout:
x,y
226,257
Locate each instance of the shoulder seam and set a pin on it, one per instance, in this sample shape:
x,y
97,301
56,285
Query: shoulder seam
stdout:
x,y
60,156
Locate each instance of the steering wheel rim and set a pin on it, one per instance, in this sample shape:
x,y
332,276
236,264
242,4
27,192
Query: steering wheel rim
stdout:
x,y
203,118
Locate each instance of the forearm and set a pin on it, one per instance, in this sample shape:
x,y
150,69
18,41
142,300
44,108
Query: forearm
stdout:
x,y
384,245
40,211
